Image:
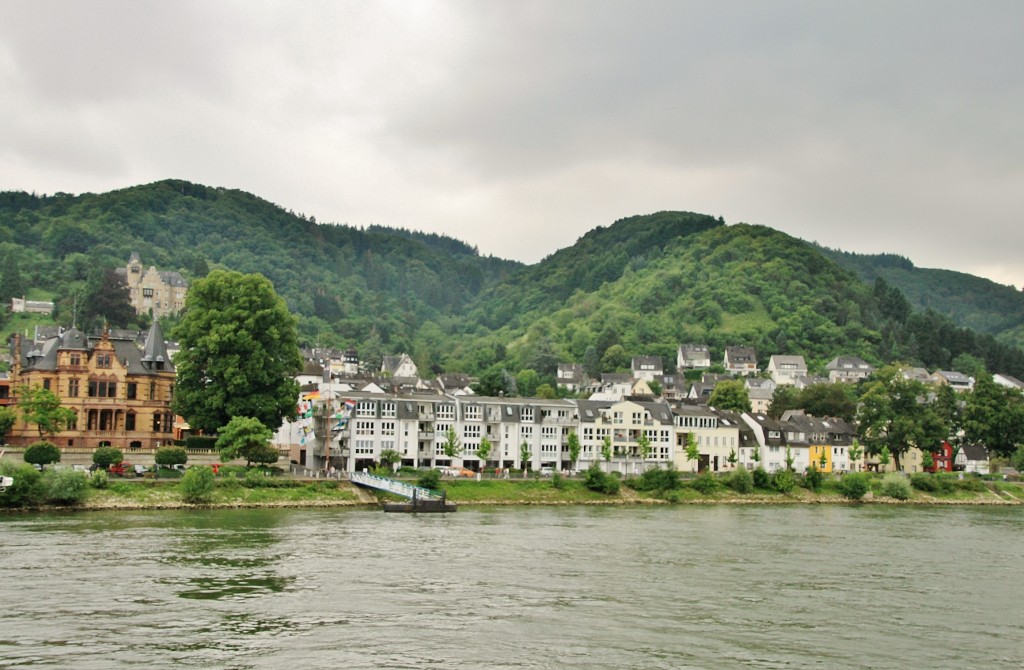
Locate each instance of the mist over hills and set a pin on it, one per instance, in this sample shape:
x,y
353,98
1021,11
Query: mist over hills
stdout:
x,y
640,286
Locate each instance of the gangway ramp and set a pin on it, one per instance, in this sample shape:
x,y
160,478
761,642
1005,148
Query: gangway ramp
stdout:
x,y
403,489
421,499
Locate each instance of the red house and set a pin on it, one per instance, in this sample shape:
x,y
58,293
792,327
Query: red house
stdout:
x,y
942,459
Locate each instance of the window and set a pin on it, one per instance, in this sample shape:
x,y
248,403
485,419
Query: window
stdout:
x,y
72,388
147,293
446,411
473,412
387,428
46,384
471,432
129,421
132,390
366,408
102,389
365,427
526,415
76,359
103,360
388,410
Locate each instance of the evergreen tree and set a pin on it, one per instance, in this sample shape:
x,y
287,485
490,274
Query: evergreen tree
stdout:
x,y
107,301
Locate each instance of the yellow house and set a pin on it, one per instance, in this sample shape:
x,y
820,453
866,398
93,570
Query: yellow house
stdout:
x,y
816,451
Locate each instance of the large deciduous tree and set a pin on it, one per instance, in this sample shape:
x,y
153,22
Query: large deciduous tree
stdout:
x,y
238,355
895,416
994,416
730,395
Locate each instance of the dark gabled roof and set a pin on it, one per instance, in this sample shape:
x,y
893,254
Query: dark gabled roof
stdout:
x,y
741,354
659,410
590,410
74,339
312,368
848,363
975,452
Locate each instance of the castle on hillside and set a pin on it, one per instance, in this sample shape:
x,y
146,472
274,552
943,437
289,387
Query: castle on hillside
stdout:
x,y
152,290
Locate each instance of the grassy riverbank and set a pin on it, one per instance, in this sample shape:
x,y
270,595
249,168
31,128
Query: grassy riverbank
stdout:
x,y
283,491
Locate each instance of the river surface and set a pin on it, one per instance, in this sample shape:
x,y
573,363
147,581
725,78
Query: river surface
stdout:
x,y
517,587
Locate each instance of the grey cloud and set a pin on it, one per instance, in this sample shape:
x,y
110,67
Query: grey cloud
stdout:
x,y
518,126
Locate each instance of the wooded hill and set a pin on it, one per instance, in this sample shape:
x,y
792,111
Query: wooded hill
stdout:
x,y
973,302
638,287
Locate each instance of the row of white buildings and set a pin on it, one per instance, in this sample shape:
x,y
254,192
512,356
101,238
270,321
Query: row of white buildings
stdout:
x,y
534,433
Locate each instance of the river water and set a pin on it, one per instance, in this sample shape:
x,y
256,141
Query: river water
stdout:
x,y
517,587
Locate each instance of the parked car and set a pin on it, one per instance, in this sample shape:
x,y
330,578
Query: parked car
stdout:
x,y
125,469
457,472
547,472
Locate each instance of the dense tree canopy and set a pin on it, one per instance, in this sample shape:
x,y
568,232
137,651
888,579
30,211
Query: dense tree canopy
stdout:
x,y
238,353
731,395
994,417
894,416
637,287
107,302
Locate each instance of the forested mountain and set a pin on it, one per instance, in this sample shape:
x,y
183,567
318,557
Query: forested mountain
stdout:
x,y
972,302
347,285
638,287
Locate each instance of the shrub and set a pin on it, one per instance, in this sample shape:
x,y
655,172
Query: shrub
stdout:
x,y
896,485
705,483
657,479
762,479
922,481
429,479
107,456
558,481
971,483
200,442
784,481
813,479
855,485
197,485
27,488
42,453
170,456
741,481
66,487
597,480
255,479
99,479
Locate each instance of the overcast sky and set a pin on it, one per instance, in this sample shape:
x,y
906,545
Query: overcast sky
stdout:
x,y
518,126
